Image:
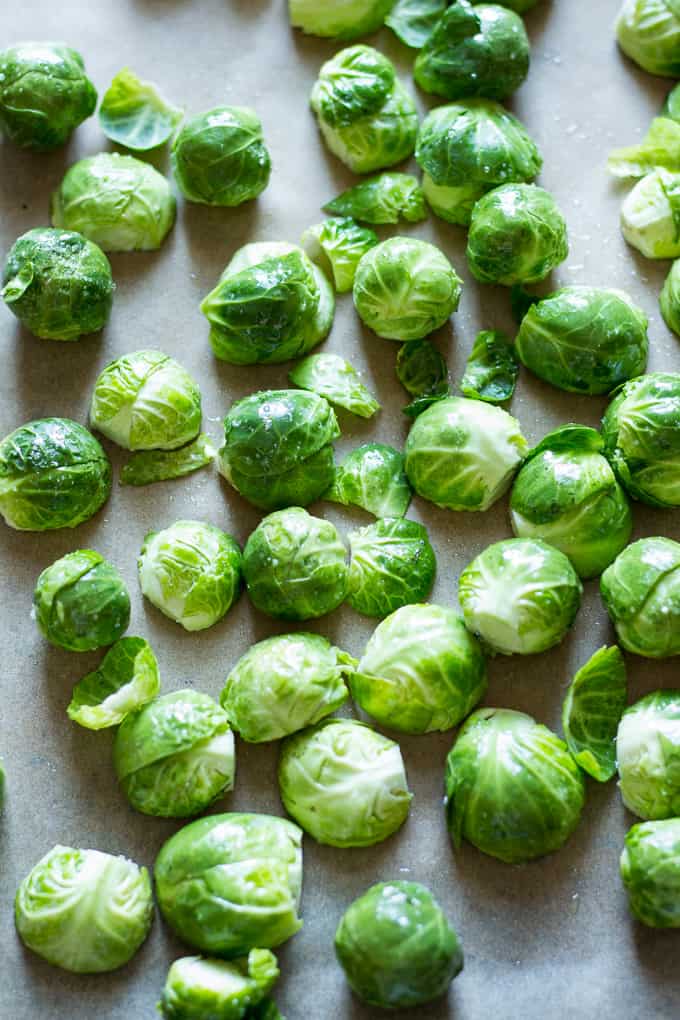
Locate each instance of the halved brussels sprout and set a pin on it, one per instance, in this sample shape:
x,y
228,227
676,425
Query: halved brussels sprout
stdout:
x,y
334,378
421,671
567,494
119,202
344,783
405,288
650,215
384,199
58,284
85,911
372,477
650,871
413,21
659,148
512,788
592,710
126,678
669,299
584,339
462,454
220,158
396,947
648,756
641,591
520,596
423,373
230,883
81,602
191,571
648,31
392,564
134,114
199,989
491,369
53,474
44,94
295,566
283,684
338,245
338,19
149,466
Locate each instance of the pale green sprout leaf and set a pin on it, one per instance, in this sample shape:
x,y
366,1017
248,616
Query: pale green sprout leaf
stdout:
x,y
149,466
334,378
126,679
372,477
135,115
659,148
592,710
383,199
348,19
491,369
650,215
338,245
413,21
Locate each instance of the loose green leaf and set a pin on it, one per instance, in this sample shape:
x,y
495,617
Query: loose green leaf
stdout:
x,y
372,477
335,379
134,114
338,245
492,368
384,199
412,21
149,466
423,373
659,148
592,710
126,679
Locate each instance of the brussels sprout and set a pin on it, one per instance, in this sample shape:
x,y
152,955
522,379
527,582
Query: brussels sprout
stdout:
x,y
332,377
584,339
366,117
421,671
423,373
641,430
466,149
278,448
81,602
592,710
119,202
191,571
344,783
412,21
405,288
648,31
146,400
53,474
462,454
648,755
650,871
391,565
338,19
474,51
491,369
271,304
512,788
58,284
641,591
396,947
659,148
338,245
372,477
283,684
85,911
517,235
295,566
671,108
650,215
44,94
520,596
151,466
230,883
175,755
567,495
384,199
126,678
669,299
133,113
201,989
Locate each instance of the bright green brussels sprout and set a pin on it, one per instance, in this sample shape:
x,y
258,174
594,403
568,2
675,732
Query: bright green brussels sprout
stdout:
x,y
592,710
423,373
396,947
421,671
641,591
520,596
648,756
134,114
659,148
145,401
391,565
338,19
413,21
474,51
149,466
85,911
384,199
295,566
332,377
278,448
405,288
462,454
466,149
208,989
650,215
175,755
220,158
641,430
283,684
81,602
648,31
584,339
338,245
126,678
491,368
366,116
567,495
372,477
58,284
517,235
191,571
650,871
53,474
119,202
344,783
44,94
512,788
669,299
230,883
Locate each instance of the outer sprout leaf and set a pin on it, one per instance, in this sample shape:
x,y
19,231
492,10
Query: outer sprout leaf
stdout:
x,y
383,199
126,679
421,369
338,244
335,379
412,21
659,148
151,466
354,86
492,368
373,478
134,114
592,710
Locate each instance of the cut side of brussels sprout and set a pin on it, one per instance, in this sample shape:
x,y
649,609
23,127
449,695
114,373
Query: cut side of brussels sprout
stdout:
x,y
592,710
669,299
641,591
648,31
338,245
648,756
413,21
134,114
332,377
199,988
372,477
338,19
387,198
392,564
650,871
150,466
659,148
491,369
126,678
650,215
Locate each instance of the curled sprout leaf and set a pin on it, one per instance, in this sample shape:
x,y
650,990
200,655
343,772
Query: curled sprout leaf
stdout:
x,y
491,369
339,244
126,679
413,21
149,466
372,477
423,373
659,148
332,377
383,199
592,711
134,114
392,564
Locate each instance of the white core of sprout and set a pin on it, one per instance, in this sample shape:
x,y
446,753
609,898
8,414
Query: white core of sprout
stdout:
x,y
647,221
217,976
641,759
